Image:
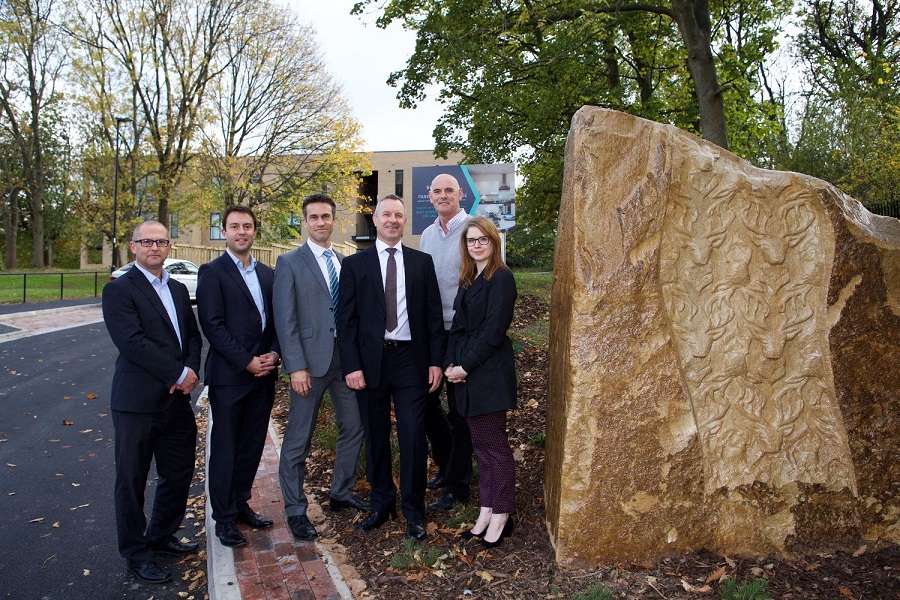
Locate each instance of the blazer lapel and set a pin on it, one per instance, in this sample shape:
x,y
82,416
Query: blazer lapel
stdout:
x,y
235,274
141,283
373,266
313,265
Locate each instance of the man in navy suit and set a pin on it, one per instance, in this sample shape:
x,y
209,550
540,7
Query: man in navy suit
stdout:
x,y
150,320
391,340
234,301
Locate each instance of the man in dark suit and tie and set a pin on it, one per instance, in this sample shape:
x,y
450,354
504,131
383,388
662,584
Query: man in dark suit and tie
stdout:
x,y
306,289
391,337
150,320
234,301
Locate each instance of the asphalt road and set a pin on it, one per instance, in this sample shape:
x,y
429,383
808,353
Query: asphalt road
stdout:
x,y
57,526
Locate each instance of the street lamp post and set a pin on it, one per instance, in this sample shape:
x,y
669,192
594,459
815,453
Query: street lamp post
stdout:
x,y
115,238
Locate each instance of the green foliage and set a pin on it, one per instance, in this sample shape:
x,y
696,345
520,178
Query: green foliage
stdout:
x,y
849,131
511,75
596,592
462,514
758,589
531,246
538,439
412,556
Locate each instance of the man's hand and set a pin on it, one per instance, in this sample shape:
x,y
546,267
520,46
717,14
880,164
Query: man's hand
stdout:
x,y
189,383
434,378
300,382
355,380
269,362
258,367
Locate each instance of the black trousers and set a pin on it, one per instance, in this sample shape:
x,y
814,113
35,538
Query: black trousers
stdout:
x,y
170,438
240,415
407,386
451,442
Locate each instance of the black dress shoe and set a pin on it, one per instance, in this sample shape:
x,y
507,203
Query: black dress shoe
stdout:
x,y
377,519
415,531
171,545
435,482
302,528
255,520
229,534
447,501
150,572
507,530
352,502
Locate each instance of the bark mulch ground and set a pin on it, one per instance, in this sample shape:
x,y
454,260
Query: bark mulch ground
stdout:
x,y
445,567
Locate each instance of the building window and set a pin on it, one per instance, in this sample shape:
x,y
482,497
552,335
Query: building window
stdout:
x,y
215,226
173,225
398,182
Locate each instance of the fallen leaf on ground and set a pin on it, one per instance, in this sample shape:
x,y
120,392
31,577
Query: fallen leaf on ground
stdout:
x,y
11,465
79,506
38,520
485,575
67,422
860,551
91,396
716,575
56,525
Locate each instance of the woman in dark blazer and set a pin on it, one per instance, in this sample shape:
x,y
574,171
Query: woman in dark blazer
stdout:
x,y
480,364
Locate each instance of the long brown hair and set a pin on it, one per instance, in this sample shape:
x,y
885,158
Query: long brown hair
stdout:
x,y
469,269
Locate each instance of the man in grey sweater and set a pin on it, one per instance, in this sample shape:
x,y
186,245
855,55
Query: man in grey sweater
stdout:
x,y
451,443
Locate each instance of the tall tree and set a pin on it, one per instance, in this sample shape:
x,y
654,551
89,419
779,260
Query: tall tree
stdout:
x,y
32,58
167,51
848,133
513,72
281,127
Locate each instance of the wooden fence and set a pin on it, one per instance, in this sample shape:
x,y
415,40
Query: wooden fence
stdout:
x,y
264,254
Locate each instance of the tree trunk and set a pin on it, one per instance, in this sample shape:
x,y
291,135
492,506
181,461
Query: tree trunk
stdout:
x,y
12,228
37,225
693,18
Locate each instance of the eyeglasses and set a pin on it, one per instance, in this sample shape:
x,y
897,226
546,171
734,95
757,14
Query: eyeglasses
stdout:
x,y
146,243
481,241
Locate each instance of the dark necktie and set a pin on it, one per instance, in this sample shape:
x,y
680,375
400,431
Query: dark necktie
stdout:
x,y
390,291
332,281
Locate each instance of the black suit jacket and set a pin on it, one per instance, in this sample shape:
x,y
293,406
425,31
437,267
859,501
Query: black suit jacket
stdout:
x,y
480,345
361,313
150,359
232,323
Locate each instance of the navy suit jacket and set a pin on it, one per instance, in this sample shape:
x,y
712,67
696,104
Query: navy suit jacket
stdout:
x,y
232,323
150,359
362,315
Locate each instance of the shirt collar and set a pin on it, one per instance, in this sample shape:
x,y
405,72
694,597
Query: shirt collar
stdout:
x,y
317,250
153,279
457,220
240,264
381,247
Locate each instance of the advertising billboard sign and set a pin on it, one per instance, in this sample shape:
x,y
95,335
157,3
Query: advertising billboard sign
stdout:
x,y
488,190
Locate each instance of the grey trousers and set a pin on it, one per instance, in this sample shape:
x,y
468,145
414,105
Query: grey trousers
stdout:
x,y
298,434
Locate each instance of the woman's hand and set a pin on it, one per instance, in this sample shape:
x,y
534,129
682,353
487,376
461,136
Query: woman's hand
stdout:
x,y
455,374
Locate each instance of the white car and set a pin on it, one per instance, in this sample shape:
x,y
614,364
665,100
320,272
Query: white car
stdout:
x,y
180,270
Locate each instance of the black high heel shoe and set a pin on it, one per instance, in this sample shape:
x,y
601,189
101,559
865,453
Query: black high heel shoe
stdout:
x,y
468,535
507,531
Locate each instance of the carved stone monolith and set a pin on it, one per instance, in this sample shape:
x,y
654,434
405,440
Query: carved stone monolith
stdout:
x,y
724,354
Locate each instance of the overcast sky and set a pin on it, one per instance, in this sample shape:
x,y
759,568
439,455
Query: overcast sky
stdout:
x,y
360,56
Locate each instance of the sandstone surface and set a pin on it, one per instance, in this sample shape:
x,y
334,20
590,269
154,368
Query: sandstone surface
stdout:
x,y
723,358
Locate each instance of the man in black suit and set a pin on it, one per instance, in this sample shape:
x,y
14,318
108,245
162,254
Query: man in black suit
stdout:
x,y
391,337
234,301
150,320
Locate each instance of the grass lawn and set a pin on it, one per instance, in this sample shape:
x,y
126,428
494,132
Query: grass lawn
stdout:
x,y
534,283
42,287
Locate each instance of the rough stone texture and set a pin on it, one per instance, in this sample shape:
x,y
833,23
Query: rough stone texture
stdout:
x,y
724,347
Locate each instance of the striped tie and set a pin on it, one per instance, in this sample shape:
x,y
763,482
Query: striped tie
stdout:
x,y
332,281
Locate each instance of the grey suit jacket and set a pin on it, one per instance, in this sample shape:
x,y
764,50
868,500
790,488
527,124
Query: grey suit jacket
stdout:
x,y
304,315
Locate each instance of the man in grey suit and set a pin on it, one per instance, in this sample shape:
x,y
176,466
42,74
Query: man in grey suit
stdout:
x,y
305,300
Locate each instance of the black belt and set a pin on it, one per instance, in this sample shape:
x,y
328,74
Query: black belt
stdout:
x,y
396,343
